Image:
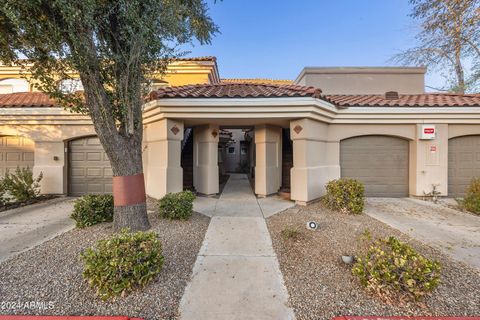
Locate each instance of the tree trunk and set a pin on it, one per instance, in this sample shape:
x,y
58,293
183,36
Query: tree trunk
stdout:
x,y
460,74
125,154
128,184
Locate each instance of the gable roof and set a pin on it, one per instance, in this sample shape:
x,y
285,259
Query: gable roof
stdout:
x,y
407,100
26,99
235,90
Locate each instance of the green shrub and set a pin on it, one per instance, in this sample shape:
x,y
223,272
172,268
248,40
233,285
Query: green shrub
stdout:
x,y
92,209
21,185
122,263
345,195
471,202
176,205
290,232
394,270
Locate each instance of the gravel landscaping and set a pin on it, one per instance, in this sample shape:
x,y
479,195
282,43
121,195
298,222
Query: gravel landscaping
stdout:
x,y
321,286
50,274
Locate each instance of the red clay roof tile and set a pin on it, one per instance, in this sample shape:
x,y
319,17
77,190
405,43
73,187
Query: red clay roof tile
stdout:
x,y
26,99
235,90
204,58
252,90
407,100
257,81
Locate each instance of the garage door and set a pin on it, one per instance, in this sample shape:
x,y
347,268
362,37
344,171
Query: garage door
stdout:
x,y
15,151
463,163
380,162
89,168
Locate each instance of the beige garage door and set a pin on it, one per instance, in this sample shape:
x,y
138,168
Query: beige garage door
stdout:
x,y
89,168
463,163
380,162
15,151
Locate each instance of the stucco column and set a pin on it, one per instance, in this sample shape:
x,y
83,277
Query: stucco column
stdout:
x,y
429,162
268,162
315,160
50,160
205,159
163,151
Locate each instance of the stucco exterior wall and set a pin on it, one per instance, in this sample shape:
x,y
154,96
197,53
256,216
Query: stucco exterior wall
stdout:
x,y
50,157
205,159
364,80
316,151
162,170
268,162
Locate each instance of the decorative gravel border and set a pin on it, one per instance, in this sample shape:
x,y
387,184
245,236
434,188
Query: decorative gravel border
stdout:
x,y
321,286
47,280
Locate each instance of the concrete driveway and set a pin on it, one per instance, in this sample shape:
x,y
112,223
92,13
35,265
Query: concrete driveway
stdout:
x,y
455,233
23,228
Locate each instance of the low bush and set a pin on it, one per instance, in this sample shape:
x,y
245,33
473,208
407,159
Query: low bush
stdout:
x,y
396,272
92,209
176,205
471,202
22,185
122,263
290,232
345,195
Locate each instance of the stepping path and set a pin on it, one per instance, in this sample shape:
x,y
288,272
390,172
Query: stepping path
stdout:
x,y
236,275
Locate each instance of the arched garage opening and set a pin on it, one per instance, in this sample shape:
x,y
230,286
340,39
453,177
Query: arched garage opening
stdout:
x,y
89,170
379,162
463,163
15,151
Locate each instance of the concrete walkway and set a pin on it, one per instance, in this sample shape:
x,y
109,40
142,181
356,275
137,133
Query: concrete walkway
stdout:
x,y
24,228
455,233
236,275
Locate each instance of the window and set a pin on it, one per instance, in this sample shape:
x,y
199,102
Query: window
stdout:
x,y
244,150
231,150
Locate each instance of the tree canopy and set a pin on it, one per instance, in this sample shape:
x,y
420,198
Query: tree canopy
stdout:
x,y
448,40
114,46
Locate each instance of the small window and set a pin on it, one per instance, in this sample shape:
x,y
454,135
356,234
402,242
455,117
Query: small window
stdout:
x,y
231,150
70,85
244,150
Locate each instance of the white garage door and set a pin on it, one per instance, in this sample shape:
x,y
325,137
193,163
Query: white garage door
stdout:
x,y
89,168
15,152
379,162
463,163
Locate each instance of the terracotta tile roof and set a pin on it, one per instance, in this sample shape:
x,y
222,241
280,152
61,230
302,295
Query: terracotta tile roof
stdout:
x,y
407,100
204,58
235,90
25,99
257,80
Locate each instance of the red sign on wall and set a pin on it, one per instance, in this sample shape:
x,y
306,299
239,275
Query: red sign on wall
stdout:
x,y
429,130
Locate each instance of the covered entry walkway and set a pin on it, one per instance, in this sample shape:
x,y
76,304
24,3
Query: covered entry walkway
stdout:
x,y
236,272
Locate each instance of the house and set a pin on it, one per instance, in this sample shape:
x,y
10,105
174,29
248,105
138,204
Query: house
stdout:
x,y
374,124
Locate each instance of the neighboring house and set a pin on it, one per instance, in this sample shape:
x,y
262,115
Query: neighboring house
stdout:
x,y
373,124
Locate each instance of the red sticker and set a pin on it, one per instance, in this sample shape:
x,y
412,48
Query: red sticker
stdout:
x,y
429,130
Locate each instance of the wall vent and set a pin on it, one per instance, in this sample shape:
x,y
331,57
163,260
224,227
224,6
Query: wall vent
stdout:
x,y
391,95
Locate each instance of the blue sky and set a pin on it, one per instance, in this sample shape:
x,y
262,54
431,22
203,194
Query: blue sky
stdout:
x,y
276,39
